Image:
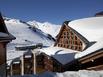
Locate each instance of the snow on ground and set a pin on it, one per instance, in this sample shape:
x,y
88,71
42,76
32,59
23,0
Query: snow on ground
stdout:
x,y
81,73
46,27
24,36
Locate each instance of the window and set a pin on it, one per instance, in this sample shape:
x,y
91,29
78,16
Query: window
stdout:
x,y
58,45
76,43
76,47
64,33
71,47
75,38
61,45
61,36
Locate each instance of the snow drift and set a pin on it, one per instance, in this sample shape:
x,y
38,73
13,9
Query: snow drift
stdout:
x,y
81,73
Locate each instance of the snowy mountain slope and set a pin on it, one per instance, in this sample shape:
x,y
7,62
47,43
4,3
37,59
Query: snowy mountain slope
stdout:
x,y
46,27
24,36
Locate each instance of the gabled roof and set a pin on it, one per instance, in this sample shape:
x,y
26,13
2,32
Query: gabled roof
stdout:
x,y
79,35
91,28
4,34
65,24
62,55
2,25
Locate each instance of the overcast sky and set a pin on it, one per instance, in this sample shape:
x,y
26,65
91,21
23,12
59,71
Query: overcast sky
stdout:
x,y
54,11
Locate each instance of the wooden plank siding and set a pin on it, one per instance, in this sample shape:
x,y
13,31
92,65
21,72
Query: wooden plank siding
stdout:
x,y
91,57
40,67
51,64
57,67
48,63
15,68
96,68
28,63
4,40
2,53
92,61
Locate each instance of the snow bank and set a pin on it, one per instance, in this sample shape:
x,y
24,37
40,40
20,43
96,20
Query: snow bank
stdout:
x,y
81,73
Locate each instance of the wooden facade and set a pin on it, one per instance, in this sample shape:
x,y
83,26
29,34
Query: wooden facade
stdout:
x,y
48,63
68,38
2,54
93,61
40,66
5,38
28,63
51,64
15,67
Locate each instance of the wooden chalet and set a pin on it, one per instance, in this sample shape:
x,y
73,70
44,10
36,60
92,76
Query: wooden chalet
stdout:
x,y
5,38
54,59
80,38
69,41
15,67
91,57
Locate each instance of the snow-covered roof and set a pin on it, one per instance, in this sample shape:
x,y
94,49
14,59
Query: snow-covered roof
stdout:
x,y
12,54
62,55
6,36
3,35
95,47
91,28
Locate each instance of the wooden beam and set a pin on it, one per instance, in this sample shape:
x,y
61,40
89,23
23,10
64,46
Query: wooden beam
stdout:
x,y
91,57
96,67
